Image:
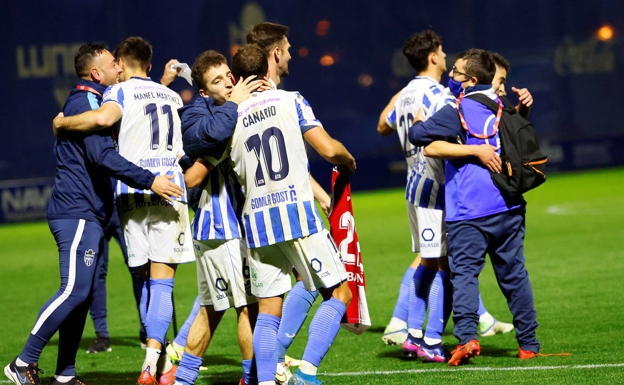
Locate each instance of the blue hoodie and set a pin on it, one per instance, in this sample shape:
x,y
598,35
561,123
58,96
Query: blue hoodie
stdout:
x,y
470,192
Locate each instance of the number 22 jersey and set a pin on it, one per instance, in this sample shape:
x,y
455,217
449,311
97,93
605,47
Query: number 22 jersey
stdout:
x,y
269,156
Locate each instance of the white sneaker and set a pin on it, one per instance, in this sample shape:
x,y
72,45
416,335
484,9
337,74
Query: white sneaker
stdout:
x,y
282,373
395,333
497,327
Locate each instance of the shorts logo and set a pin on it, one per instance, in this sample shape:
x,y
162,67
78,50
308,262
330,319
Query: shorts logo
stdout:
x,y
181,239
254,278
221,284
89,257
427,235
316,265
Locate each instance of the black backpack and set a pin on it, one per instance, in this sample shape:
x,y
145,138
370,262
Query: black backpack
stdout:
x,y
524,164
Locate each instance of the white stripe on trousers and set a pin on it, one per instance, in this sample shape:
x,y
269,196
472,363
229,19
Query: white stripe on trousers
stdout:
x,y
70,281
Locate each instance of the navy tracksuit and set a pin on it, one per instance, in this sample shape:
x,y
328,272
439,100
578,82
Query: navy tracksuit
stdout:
x,y
480,221
79,208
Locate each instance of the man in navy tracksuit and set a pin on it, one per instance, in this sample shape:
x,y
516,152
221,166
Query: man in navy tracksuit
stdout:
x,y
479,218
79,209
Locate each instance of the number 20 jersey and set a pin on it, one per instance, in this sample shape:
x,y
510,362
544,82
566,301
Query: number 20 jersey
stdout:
x,y
150,134
270,159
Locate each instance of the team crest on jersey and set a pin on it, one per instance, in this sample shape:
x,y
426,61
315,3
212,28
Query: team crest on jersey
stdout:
x,y
89,257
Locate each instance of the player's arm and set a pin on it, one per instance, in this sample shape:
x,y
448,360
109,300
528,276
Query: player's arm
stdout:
x,y
100,150
105,116
204,131
321,196
484,152
383,128
330,149
526,101
196,174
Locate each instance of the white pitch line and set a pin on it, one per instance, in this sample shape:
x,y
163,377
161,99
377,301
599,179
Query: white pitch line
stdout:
x,y
468,369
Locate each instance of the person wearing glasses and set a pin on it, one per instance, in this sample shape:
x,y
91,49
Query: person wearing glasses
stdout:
x,y
479,218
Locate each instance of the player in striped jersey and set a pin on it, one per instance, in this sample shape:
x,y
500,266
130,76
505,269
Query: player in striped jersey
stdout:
x,y
222,270
157,233
424,196
282,226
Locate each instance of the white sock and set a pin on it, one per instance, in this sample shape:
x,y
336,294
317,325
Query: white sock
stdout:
x,y
396,323
308,368
164,364
432,341
63,379
415,333
151,359
487,319
20,363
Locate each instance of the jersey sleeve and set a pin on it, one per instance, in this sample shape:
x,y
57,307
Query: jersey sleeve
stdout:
x,y
114,94
391,118
307,120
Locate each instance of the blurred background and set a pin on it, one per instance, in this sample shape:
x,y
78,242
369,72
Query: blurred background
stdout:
x,y
346,61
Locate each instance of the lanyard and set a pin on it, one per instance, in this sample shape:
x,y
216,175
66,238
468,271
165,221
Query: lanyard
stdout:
x,y
88,89
496,122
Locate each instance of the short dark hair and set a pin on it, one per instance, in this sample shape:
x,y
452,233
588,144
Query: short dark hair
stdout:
x,y
135,51
418,47
85,56
267,36
250,60
480,64
500,61
203,63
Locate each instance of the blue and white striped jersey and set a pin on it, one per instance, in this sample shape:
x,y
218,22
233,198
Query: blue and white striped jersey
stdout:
x,y
425,176
149,136
220,205
270,159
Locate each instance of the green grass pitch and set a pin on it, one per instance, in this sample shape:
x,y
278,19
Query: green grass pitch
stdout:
x,y
574,257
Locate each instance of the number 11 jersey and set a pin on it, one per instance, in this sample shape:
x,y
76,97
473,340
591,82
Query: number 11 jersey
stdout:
x,y
270,159
150,134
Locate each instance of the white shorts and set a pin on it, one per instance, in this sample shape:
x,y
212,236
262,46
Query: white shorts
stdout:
x,y
223,273
428,231
315,257
159,233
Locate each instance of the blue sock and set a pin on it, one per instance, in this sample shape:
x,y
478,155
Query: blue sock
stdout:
x,y
143,304
294,312
323,330
249,372
160,309
419,295
264,346
440,305
402,304
183,334
188,370
305,377
482,310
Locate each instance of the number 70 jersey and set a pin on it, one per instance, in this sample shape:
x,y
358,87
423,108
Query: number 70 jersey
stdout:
x,y
150,134
270,160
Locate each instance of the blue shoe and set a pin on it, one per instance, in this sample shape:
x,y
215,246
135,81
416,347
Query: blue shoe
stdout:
x,y
411,346
433,353
300,378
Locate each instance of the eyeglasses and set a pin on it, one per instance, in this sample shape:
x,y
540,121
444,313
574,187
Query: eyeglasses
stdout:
x,y
456,72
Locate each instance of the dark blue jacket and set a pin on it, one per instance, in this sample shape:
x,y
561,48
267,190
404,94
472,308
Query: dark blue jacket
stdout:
x,y
85,164
206,127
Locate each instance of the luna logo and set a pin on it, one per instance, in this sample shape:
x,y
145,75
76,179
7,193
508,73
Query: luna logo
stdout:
x,y
89,257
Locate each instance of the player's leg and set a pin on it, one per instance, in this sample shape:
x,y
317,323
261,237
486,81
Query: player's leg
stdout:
x,y
78,243
396,330
176,348
246,318
490,326
322,267
98,309
507,255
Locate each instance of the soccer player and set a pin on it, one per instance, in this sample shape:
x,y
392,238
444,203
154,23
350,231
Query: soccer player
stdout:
x,y
477,226
79,208
425,201
222,269
282,226
157,232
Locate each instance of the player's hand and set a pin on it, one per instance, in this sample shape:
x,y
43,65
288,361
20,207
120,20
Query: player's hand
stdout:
x,y
266,85
166,189
169,74
244,88
351,166
525,97
488,156
420,116
56,123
